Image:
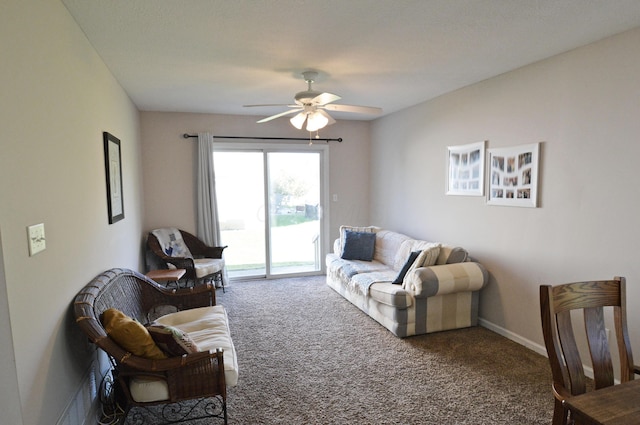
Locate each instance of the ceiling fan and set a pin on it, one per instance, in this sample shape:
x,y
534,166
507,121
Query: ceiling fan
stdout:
x,y
311,107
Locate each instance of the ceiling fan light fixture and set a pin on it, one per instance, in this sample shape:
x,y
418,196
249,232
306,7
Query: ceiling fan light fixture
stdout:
x,y
298,120
316,121
310,107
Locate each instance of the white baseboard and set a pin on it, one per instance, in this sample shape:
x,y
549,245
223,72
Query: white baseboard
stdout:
x,y
540,349
84,407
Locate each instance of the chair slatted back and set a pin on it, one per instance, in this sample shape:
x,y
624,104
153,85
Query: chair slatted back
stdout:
x,y
592,297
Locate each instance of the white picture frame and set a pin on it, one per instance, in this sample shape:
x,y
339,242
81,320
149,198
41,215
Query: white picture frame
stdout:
x,y
513,176
465,169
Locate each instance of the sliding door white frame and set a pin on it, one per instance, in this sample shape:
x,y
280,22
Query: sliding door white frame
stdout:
x,y
265,148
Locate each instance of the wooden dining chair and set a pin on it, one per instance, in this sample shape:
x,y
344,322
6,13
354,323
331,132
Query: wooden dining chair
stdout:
x,y
556,305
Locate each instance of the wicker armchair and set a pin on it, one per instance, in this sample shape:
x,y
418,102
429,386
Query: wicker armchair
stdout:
x,y
198,268
198,375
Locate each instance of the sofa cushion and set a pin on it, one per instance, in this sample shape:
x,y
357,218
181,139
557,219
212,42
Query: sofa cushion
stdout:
x,y
172,340
358,246
390,294
344,270
407,265
388,244
361,283
349,268
130,334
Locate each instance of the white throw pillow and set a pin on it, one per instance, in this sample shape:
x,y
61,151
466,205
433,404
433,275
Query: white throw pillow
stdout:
x,y
427,258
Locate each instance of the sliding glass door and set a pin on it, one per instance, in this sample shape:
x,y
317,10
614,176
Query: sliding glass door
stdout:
x,y
240,192
270,209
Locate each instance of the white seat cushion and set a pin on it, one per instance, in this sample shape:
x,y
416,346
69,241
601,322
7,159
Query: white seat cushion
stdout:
x,y
207,266
146,390
208,327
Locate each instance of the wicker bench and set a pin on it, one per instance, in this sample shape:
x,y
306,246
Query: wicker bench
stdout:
x,y
202,375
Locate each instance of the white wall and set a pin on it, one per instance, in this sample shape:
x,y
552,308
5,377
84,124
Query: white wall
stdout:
x,y
583,107
57,99
169,164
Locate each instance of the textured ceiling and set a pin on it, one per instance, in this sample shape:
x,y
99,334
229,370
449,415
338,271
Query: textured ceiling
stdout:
x,y
213,56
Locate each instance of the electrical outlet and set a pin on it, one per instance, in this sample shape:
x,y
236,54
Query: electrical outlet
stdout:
x,y
36,237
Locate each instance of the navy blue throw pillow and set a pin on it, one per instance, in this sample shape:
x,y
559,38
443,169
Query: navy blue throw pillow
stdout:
x,y
406,267
358,245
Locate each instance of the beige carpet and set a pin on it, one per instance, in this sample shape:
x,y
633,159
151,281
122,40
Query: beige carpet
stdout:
x,y
307,356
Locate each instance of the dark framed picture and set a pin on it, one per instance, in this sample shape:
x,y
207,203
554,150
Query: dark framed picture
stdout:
x,y
113,169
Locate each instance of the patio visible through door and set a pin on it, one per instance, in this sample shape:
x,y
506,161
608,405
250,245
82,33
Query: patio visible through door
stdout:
x,y
270,213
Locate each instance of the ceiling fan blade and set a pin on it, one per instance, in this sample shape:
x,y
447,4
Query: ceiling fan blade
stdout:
x,y
281,114
324,98
325,114
271,104
352,108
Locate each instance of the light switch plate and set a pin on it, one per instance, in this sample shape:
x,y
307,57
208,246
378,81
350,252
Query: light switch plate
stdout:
x,y
36,238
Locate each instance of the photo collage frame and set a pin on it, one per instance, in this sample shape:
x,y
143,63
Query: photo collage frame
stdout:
x,y
512,173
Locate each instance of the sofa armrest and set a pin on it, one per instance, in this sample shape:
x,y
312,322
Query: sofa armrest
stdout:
x,y
426,282
337,247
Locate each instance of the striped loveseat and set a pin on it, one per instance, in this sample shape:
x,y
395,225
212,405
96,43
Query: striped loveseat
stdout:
x,y
440,290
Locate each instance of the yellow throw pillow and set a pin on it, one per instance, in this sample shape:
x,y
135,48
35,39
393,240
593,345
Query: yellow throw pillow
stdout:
x,y
130,335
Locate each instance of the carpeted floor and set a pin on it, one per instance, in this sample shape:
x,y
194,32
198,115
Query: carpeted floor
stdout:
x,y
308,356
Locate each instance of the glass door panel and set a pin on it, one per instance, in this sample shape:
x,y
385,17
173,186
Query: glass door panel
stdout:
x,y
286,236
240,195
294,212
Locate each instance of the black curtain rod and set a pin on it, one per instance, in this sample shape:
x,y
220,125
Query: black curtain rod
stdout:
x,y
187,136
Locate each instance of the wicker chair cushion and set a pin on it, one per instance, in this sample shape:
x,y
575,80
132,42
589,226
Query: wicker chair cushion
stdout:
x,y
208,327
130,335
171,242
208,266
148,389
